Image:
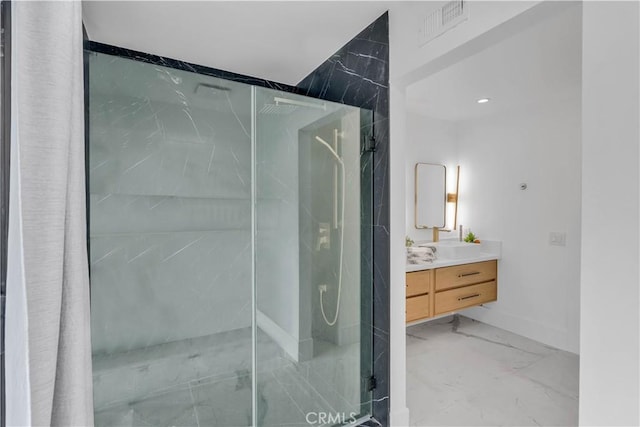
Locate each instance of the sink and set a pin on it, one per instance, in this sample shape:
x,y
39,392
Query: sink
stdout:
x,y
454,249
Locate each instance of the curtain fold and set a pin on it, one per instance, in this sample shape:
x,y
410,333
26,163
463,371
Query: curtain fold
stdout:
x,y
48,132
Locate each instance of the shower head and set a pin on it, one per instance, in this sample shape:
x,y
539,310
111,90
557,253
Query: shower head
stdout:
x,y
288,106
277,109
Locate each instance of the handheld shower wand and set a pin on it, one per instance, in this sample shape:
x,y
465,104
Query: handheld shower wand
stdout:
x,y
341,163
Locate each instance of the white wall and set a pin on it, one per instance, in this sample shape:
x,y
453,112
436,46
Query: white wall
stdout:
x,y
539,284
609,356
429,141
539,145
399,414
411,60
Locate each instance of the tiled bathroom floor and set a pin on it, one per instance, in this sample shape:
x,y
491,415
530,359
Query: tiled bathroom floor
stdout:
x,y
214,388
465,373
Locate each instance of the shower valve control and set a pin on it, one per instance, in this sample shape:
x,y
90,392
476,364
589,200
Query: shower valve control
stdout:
x,y
322,288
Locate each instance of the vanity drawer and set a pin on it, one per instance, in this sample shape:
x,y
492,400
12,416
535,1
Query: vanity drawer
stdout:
x,y
417,308
466,274
456,299
418,282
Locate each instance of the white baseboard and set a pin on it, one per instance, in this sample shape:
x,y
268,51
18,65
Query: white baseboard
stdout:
x,y
528,328
286,341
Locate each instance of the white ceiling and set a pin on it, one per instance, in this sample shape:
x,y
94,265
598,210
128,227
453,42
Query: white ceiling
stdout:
x,y
279,41
540,64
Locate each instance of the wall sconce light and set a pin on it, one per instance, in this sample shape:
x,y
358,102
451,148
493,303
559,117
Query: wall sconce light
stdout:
x,y
453,198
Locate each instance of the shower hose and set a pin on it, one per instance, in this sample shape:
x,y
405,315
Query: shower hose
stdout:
x,y
322,290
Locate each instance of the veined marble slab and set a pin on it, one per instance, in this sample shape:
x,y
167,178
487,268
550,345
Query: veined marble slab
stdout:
x,y
461,372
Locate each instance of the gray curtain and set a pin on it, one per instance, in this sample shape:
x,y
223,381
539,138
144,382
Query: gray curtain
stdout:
x,y
48,271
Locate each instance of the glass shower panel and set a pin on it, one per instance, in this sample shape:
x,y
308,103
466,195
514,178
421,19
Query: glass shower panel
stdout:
x,y
170,245
230,234
310,206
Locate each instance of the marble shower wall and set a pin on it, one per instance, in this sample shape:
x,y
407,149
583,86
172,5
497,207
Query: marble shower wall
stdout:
x,y
321,262
358,75
295,197
170,218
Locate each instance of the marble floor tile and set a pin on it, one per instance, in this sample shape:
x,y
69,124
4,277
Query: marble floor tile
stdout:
x,y
466,373
174,408
305,396
277,406
206,382
225,403
335,374
559,372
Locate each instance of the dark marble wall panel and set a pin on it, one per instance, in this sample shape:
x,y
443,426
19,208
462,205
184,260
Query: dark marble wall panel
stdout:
x,y
183,65
358,75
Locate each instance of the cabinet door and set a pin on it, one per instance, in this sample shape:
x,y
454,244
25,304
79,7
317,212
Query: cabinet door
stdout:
x,y
417,308
465,274
418,282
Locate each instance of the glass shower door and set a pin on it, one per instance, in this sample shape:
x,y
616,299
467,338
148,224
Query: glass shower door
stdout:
x,y
170,246
230,251
309,210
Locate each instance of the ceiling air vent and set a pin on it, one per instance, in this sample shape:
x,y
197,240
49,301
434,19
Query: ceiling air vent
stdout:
x,y
442,20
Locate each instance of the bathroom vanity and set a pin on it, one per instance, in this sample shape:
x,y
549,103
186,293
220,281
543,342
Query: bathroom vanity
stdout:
x,y
449,285
444,276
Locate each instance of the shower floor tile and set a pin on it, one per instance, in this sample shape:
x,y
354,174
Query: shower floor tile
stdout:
x,y
170,409
174,408
223,403
286,391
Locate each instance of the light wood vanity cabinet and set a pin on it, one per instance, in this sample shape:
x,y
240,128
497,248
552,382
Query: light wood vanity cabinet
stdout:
x,y
419,292
418,308
419,283
467,296
447,289
465,274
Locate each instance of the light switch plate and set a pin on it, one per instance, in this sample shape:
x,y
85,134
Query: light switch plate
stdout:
x,y
557,238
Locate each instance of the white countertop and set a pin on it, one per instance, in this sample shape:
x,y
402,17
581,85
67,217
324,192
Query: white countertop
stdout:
x,y
491,249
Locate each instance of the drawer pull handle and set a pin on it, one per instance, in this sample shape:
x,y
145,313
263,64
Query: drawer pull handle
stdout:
x,y
468,274
468,297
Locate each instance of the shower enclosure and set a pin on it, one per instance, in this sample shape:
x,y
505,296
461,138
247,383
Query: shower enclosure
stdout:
x,y
230,239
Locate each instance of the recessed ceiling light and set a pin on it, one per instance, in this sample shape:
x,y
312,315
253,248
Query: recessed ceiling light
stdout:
x,y
483,100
